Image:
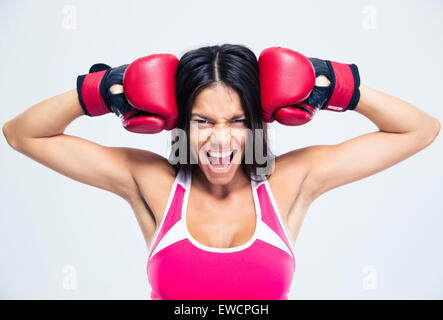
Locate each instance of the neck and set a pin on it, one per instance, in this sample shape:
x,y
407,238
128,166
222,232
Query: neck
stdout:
x,y
220,191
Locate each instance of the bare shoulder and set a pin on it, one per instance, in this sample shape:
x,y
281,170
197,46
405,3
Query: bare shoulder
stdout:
x,y
288,180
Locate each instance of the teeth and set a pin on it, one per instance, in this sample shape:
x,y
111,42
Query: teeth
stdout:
x,y
219,154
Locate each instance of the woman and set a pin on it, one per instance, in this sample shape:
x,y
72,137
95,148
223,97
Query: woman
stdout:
x,y
218,226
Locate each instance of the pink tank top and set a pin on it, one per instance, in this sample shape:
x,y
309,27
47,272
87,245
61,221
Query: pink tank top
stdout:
x,y
181,268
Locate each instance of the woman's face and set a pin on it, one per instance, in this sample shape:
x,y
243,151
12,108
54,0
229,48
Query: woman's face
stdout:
x,y
218,133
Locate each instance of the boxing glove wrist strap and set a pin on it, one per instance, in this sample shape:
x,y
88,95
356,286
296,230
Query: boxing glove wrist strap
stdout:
x,y
90,92
345,82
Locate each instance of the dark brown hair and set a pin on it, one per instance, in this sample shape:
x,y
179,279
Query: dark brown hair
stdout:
x,y
236,66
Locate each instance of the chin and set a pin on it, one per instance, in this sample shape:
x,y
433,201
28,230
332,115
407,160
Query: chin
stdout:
x,y
220,178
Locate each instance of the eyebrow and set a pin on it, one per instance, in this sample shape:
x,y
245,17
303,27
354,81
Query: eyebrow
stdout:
x,y
237,116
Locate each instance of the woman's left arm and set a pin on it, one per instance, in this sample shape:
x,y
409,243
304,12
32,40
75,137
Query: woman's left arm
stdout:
x,y
403,131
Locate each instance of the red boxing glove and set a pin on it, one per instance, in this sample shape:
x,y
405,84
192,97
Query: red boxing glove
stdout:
x,y
288,90
286,79
149,86
96,98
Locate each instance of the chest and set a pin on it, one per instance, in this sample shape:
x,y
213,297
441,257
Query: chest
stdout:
x,y
223,223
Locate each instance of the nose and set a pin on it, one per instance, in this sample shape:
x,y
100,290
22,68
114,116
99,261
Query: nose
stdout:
x,y
220,139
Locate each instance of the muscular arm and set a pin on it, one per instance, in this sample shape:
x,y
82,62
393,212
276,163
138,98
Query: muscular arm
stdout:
x,y
403,131
38,133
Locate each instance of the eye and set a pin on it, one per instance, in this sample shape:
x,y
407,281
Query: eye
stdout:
x,y
199,121
239,121
202,124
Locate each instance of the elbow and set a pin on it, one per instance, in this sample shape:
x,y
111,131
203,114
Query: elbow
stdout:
x,y
427,134
437,128
8,133
433,132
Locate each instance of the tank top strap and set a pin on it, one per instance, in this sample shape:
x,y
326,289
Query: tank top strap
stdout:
x,y
183,178
172,213
270,213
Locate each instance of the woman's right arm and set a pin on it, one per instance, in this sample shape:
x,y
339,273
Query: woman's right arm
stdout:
x,y
38,134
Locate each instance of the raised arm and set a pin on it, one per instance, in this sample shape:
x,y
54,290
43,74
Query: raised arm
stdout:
x,y
294,88
39,134
403,131
39,131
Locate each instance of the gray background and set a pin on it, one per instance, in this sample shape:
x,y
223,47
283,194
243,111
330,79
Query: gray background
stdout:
x,y
390,222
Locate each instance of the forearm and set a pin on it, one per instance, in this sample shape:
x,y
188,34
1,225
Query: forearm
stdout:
x,y
45,119
391,114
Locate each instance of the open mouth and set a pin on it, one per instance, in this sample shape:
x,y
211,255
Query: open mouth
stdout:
x,y
220,157
220,162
